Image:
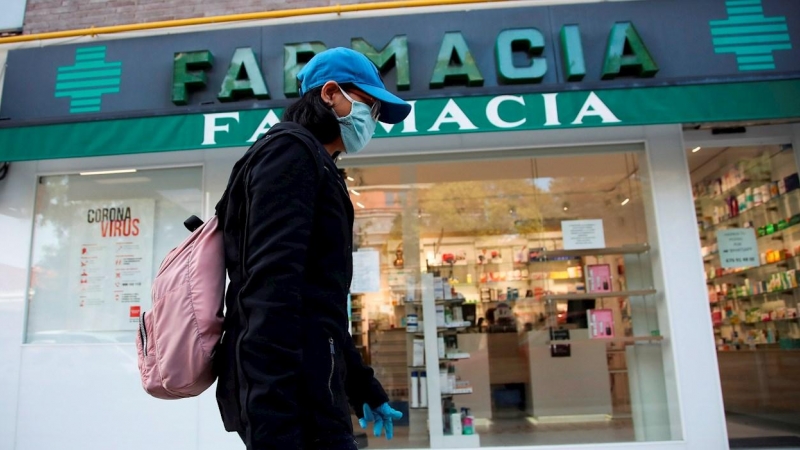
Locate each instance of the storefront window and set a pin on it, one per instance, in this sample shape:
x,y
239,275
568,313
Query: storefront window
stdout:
x,y
98,241
748,211
524,287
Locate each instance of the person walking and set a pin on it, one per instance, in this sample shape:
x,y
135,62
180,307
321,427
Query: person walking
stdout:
x,y
288,368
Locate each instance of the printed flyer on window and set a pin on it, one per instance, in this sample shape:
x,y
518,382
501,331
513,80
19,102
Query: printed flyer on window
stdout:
x,y
111,262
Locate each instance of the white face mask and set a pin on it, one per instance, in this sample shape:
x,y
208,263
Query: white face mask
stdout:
x,y
357,127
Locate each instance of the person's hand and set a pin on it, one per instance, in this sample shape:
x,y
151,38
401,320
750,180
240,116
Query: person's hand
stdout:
x,y
383,417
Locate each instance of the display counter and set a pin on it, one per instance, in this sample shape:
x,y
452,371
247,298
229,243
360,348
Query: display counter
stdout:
x,y
508,361
577,385
762,383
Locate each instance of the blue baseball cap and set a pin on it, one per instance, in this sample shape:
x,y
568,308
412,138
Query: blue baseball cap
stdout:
x,y
346,66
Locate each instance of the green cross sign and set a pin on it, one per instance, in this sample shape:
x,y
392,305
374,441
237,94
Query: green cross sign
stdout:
x,y
749,35
88,79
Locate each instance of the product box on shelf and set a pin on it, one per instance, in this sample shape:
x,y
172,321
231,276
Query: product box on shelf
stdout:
x,y
791,182
418,357
520,255
438,287
447,291
440,318
458,257
412,323
444,382
598,278
490,256
537,255
601,323
789,343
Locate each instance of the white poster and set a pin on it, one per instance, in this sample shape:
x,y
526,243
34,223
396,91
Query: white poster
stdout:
x,y
583,234
737,248
111,262
366,272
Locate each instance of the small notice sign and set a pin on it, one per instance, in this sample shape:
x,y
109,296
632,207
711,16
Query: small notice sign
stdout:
x,y
583,234
366,272
559,350
737,248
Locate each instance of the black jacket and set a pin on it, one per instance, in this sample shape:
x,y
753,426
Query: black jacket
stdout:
x,y
287,364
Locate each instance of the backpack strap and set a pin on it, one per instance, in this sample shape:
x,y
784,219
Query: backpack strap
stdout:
x,y
242,167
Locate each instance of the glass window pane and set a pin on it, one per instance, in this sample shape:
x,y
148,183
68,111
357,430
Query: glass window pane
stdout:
x,y
98,241
748,207
529,283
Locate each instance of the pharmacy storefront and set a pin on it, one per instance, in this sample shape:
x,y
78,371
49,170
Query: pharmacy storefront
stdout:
x,y
583,234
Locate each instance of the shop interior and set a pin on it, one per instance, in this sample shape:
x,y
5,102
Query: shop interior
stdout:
x,y
748,210
535,332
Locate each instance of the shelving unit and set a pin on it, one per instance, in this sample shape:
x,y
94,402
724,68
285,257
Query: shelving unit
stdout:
x,y
437,358
630,283
771,205
461,441
747,298
623,340
756,269
633,249
527,278
389,355
596,295
729,323
732,305
738,189
357,330
465,391
775,236
453,358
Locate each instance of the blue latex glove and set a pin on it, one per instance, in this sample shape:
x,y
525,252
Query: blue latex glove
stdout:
x,y
383,417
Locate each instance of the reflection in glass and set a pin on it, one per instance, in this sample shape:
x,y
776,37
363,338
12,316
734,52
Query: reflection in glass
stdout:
x,y
98,241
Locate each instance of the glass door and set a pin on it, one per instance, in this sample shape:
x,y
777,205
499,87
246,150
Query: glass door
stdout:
x,y
748,214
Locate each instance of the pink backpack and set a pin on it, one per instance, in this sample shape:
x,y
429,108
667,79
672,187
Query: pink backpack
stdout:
x,y
177,338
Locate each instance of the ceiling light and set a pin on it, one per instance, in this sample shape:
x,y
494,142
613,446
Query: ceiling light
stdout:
x,y
108,172
355,192
351,179
123,180
566,206
625,202
359,205
696,149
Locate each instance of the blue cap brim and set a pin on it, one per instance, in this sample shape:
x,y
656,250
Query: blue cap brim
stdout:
x,y
393,108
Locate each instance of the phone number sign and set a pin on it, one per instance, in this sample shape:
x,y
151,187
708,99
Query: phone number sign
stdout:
x,y
737,248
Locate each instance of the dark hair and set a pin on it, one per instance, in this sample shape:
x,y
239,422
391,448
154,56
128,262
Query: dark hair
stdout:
x,y
311,112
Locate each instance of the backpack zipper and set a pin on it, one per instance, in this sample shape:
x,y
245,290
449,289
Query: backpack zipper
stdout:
x,y
333,367
143,334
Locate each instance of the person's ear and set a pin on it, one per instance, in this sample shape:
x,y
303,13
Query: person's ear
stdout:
x,y
329,89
